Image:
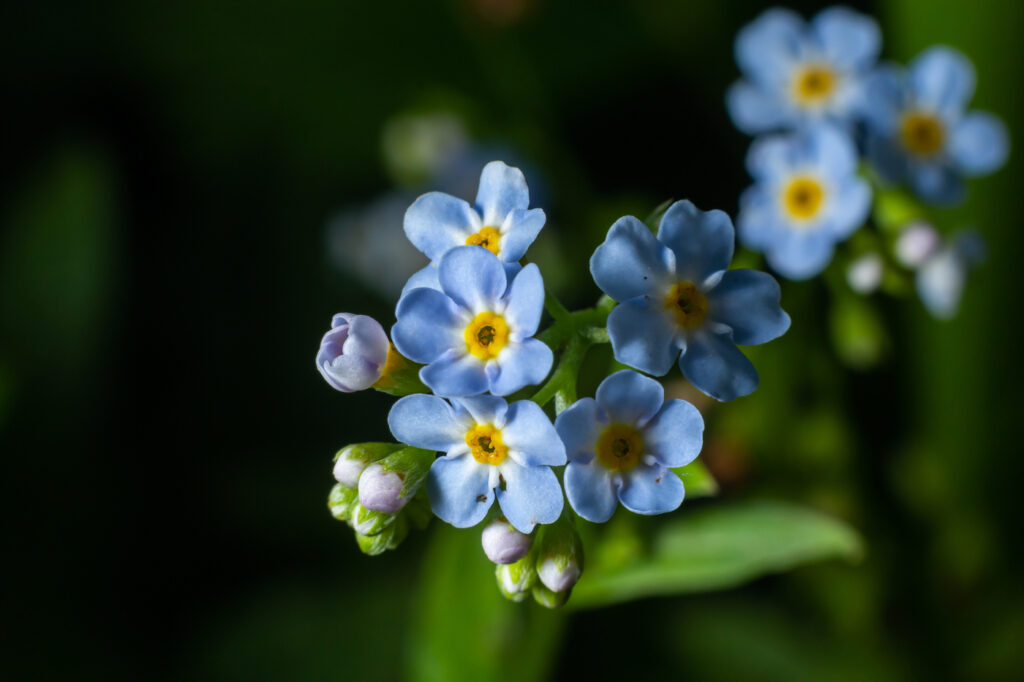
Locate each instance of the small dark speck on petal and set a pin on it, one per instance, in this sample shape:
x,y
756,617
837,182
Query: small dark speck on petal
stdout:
x,y
481,498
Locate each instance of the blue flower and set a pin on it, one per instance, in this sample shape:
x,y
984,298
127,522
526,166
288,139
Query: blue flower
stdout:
x,y
798,73
675,294
806,198
501,220
475,334
920,133
622,445
353,353
492,450
941,278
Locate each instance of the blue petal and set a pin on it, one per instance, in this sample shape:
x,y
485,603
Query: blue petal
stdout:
x,y
473,277
675,435
455,374
631,261
767,47
590,490
942,79
518,365
437,222
424,278
885,98
531,496
979,143
429,323
887,157
748,302
716,367
348,373
642,337
849,207
522,228
426,421
455,486
628,397
525,301
484,409
702,241
770,157
799,255
651,490
757,218
579,426
833,150
529,432
502,190
937,183
754,110
849,39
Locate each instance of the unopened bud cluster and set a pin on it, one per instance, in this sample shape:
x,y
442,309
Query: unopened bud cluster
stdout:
x,y
545,564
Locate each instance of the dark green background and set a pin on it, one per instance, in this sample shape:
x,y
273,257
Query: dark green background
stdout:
x,y
168,171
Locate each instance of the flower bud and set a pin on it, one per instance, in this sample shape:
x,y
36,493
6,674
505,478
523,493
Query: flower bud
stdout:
x,y
560,556
916,244
353,353
503,544
340,501
864,275
367,521
381,490
548,598
389,538
352,459
516,580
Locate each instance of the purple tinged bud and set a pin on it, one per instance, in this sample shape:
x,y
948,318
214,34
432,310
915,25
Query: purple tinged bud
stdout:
x,y
381,490
917,243
347,467
558,573
353,353
503,544
864,275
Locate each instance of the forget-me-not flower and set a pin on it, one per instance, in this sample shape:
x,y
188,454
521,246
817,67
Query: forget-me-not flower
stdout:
x,y
621,447
676,294
475,334
492,450
501,221
920,133
353,353
941,277
807,197
798,73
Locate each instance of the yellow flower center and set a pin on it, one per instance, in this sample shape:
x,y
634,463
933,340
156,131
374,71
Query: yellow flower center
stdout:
x,y
922,133
619,447
813,85
488,237
484,441
686,304
802,197
486,335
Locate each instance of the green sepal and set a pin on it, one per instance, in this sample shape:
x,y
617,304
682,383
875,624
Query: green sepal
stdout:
x,y
368,522
400,376
389,538
697,480
412,465
559,542
340,501
516,580
418,511
548,598
367,452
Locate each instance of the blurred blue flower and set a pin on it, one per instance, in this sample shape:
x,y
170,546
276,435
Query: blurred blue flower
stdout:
x,y
675,294
941,278
492,450
920,132
353,353
798,73
621,446
475,334
501,220
806,197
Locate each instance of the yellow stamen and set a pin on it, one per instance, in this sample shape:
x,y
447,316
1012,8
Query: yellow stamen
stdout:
x,y
803,197
486,335
619,447
922,133
686,304
488,237
813,85
484,441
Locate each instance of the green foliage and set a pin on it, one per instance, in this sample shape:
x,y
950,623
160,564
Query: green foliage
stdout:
x,y
857,332
716,548
697,480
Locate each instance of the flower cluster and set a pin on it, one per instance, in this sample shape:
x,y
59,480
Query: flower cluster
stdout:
x,y
835,122
466,337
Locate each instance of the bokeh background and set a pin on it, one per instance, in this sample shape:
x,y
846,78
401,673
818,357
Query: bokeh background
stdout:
x,y
188,192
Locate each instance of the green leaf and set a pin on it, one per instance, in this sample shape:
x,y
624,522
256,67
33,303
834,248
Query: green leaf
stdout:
x,y
697,480
463,629
717,548
858,333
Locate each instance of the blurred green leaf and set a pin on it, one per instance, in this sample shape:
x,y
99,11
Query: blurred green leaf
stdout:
x,y
464,629
717,548
697,480
857,332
